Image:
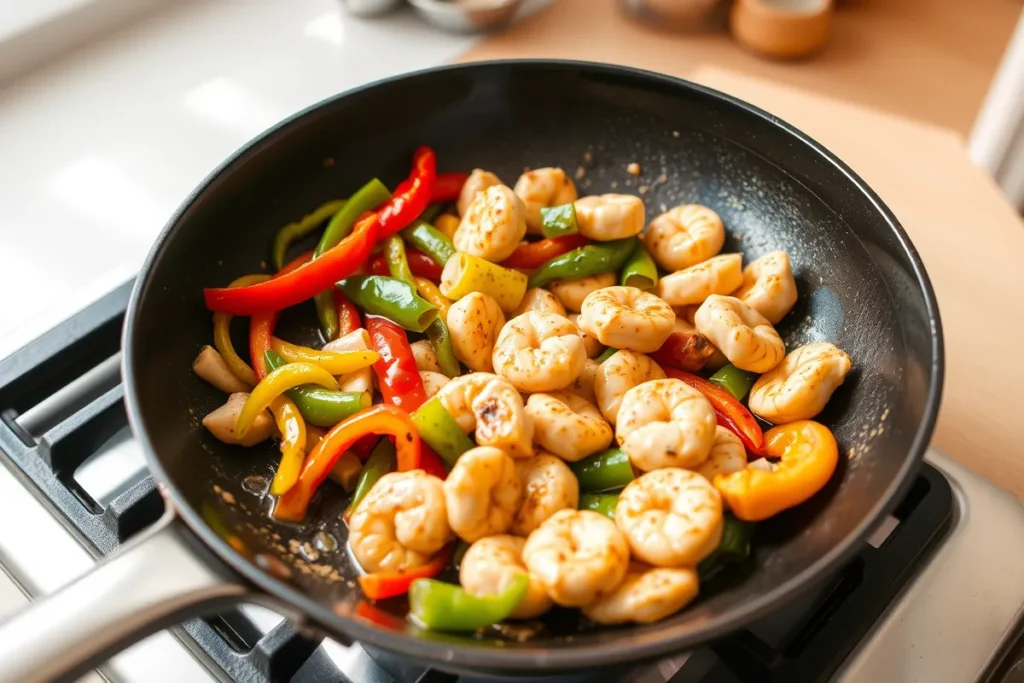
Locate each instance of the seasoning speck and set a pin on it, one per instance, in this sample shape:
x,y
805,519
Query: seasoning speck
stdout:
x,y
580,172
675,133
633,168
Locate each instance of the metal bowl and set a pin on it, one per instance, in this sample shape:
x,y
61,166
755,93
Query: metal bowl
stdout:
x,y
467,16
369,8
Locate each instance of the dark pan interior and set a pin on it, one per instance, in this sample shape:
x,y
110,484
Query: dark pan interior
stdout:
x,y
860,287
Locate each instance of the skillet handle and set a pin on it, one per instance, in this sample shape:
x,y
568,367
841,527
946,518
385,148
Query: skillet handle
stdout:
x,y
158,579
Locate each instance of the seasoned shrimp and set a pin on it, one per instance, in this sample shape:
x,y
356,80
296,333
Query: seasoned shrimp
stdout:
x,y
400,523
619,374
491,407
768,286
665,423
478,181
539,352
482,493
718,275
802,384
425,357
221,422
727,455
583,386
538,299
432,382
474,321
646,595
593,346
746,338
685,236
567,425
493,225
671,517
543,187
627,318
548,486
572,292
578,555
491,564
359,380
610,216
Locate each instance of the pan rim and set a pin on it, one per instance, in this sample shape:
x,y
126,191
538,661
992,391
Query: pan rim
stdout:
x,y
571,656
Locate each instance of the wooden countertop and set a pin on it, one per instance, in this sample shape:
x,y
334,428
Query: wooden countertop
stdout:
x,y
970,239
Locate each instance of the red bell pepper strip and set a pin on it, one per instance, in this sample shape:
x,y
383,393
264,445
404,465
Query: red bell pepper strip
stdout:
x,y
448,186
535,254
431,462
684,351
420,264
411,197
377,616
262,324
379,419
348,314
399,380
383,585
730,413
364,446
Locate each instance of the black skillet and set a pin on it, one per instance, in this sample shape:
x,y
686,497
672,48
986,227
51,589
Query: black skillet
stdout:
x,y
861,285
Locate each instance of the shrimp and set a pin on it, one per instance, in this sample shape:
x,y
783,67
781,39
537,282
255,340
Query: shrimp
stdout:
x,y
567,425
727,455
572,292
490,565
425,356
474,321
590,343
610,216
768,286
539,352
671,517
491,407
482,493
685,236
746,338
646,595
627,318
801,385
358,380
538,299
493,225
221,422
718,275
583,386
543,187
400,523
432,382
665,423
617,375
548,486
578,555
478,181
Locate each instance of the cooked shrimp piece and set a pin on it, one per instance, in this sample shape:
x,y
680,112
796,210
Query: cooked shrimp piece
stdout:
x,y
610,216
474,321
619,374
768,286
671,517
482,493
572,292
802,384
665,423
492,563
746,338
646,595
718,275
539,352
627,318
478,181
493,225
543,187
548,486
221,422
583,386
359,380
432,382
685,236
492,408
593,346
578,555
425,357
212,367
727,455
538,299
400,523
568,425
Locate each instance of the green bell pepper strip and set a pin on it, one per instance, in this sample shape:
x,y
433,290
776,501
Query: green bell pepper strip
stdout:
x,y
446,607
556,221
640,270
430,241
606,354
593,259
603,503
734,548
431,212
441,341
322,407
440,431
604,471
398,263
299,229
382,460
737,382
390,298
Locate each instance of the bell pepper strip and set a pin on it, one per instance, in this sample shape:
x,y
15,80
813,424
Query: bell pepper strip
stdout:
x,y
432,211
465,274
731,413
604,471
737,382
734,548
313,433
448,186
396,300
367,198
529,255
593,259
807,456
606,354
558,221
460,551
382,460
334,362
447,607
440,431
430,241
293,444
601,503
364,447
299,229
399,380
346,471
446,224
318,406
687,351
431,463
262,324
378,617
380,419
412,196
418,263
222,336
640,270
396,263
383,585
276,383
429,291
441,341
348,314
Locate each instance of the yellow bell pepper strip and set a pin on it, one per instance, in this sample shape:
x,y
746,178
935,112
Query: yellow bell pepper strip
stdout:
x,y
299,229
318,406
429,291
440,431
446,224
334,362
465,274
293,444
222,335
446,607
807,456
276,383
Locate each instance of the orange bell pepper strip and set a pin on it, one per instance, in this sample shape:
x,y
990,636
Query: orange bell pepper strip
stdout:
x,y
383,585
731,413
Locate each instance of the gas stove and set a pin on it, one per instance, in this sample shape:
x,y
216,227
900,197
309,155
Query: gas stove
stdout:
x,y
935,595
